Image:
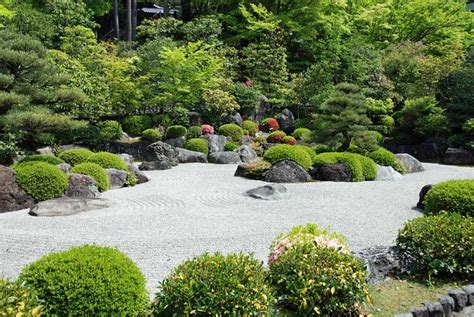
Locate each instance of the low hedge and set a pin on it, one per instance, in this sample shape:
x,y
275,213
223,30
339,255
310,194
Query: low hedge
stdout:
x,y
87,281
362,168
384,157
76,156
250,126
284,152
198,145
108,160
151,135
215,285
41,180
439,244
452,196
176,131
95,171
42,158
135,125
232,131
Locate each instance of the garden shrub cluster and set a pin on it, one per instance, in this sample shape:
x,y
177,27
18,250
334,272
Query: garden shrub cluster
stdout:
x,y
232,131
41,180
257,169
250,126
42,158
97,172
135,125
17,300
269,125
310,152
384,157
198,145
110,130
303,134
176,131
151,135
87,280
276,137
108,160
75,156
289,140
194,132
454,196
284,152
362,168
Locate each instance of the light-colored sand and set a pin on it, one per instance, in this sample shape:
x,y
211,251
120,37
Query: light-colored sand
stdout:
x,y
195,208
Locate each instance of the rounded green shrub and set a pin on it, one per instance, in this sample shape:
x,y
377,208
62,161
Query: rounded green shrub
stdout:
x,y
232,131
41,180
451,196
98,173
194,132
198,145
386,158
308,150
313,273
135,125
230,146
17,300
75,156
110,130
151,135
250,126
176,131
439,244
369,168
87,281
302,134
276,137
284,152
289,140
351,159
42,158
108,160
215,285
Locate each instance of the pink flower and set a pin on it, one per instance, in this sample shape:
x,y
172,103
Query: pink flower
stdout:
x,y
207,129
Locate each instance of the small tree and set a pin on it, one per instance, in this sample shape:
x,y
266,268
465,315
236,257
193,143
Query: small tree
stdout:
x,y
343,114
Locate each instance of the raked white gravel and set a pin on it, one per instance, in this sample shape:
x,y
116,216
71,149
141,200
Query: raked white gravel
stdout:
x,y
196,208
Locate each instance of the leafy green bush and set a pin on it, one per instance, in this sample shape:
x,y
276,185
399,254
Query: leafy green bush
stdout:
x,y
75,156
194,132
17,300
232,131
108,160
257,169
439,244
7,152
284,152
250,126
230,146
367,141
132,179
96,172
335,286
42,158
302,134
362,168
198,145
321,148
289,140
386,158
309,150
276,137
215,285
151,135
451,196
135,125
41,180
87,280
176,131
369,168
110,130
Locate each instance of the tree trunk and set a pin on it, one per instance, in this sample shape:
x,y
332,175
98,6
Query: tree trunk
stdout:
x,y
345,143
116,20
129,20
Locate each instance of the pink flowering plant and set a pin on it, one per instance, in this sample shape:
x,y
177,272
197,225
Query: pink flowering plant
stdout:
x,y
207,129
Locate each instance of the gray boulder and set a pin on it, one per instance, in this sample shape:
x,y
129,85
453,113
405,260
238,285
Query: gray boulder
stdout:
x,y
176,142
45,151
161,152
65,167
454,156
246,153
82,186
117,178
387,173
234,118
422,196
187,156
156,165
141,177
224,158
412,165
12,197
126,157
67,206
263,110
268,192
381,262
334,173
286,120
287,172
216,142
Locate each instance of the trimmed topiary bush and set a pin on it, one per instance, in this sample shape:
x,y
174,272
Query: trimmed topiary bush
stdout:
x,y
42,158
198,145
386,158
230,146
95,171
350,159
289,140
75,156
176,131
440,244
215,285
269,125
41,180
302,134
284,152
250,126
313,273
194,132
451,196
309,150
108,160
151,135
276,137
17,300
232,131
87,281
135,125
369,168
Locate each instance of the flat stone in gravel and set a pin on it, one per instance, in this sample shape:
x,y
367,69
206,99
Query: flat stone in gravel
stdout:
x,y
67,206
82,186
224,158
187,156
268,192
411,164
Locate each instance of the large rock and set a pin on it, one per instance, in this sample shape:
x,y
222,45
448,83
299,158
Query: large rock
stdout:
x,y
45,151
246,153
117,178
224,158
268,192
234,118
381,262
387,173
82,186
264,110
216,142
454,156
67,206
286,120
334,173
156,165
176,142
12,197
135,148
287,172
412,165
141,177
429,151
64,167
126,157
162,152
187,156
422,196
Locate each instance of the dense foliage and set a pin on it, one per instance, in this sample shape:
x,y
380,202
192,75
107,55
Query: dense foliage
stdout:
x,y
96,172
198,145
108,160
75,156
42,158
454,196
284,152
232,131
362,168
17,300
